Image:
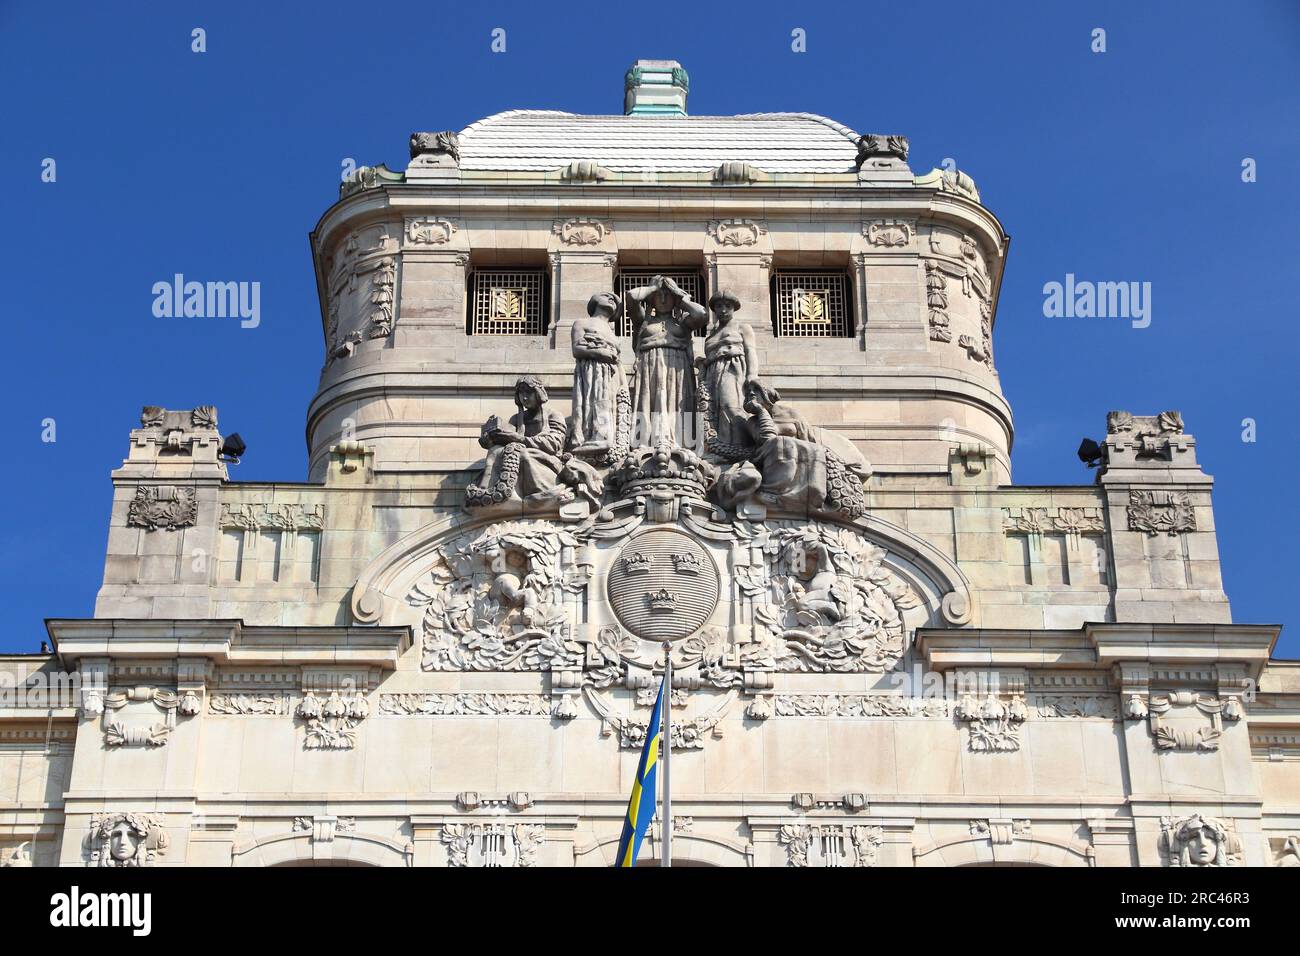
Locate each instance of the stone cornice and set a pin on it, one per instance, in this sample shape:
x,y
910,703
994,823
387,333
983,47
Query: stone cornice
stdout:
x,y
1100,645
227,642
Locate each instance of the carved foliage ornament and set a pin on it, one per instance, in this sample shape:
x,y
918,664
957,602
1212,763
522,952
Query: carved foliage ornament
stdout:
x,y
737,232
890,233
272,517
429,231
1048,520
581,232
162,507
994,724
1161,512
444,142
332,722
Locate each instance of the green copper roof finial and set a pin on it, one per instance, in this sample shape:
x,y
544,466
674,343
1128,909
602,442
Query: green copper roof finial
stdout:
x,y
655,88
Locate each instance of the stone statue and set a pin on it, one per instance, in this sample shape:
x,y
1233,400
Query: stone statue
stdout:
x,y
663,390
599,387
790,470
523,461
730,365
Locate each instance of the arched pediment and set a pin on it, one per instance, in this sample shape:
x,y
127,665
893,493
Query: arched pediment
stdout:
x,y
777,592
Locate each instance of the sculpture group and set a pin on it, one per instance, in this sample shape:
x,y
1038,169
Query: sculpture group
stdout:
x,y
708,412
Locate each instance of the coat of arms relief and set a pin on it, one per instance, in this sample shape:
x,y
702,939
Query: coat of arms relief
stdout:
x,y
670,509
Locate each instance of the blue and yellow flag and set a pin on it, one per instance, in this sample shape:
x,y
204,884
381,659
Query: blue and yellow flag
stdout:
x,y
641,805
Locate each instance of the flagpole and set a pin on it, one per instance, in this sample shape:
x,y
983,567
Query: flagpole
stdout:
x,y
666,751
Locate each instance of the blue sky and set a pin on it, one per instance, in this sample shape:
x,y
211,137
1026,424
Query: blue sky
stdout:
x,y
1123,165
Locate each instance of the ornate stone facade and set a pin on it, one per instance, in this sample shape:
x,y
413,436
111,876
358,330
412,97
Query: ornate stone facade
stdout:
x,y
885,652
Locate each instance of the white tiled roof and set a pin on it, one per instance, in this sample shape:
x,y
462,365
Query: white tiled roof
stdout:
x,y
547,140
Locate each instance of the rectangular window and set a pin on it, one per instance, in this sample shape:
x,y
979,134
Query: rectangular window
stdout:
x,y
692,283
811,304
508,302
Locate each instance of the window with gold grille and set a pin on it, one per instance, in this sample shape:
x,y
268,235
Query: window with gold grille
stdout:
x,y
692,283
811,304
508,302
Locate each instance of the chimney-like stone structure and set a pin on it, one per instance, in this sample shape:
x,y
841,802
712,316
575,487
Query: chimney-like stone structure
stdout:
x,y
655,88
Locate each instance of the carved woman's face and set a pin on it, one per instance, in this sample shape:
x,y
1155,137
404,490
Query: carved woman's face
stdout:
x,y
526,397
663,300
724,312
123,842
1202,846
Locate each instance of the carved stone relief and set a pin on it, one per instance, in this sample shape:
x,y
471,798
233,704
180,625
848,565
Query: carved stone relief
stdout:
x,y
430,231
493,844
120,732
467,704
1161,512
1174,719
830,844
165,507
581,232
737,232
126,839
994,724
1199,840
331,723
890,233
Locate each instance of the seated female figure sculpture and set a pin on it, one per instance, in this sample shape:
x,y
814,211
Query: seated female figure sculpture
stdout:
x,y
523,462
789,470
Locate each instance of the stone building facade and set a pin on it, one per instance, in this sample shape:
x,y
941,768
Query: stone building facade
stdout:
x,y
760,420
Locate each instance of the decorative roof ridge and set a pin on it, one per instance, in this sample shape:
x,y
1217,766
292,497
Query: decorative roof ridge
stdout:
x,y
504,113
850,134
845,131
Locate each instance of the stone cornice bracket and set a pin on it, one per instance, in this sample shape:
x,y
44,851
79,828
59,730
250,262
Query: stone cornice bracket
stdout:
x,y
738,174
468,801
972,463
580,172
351,463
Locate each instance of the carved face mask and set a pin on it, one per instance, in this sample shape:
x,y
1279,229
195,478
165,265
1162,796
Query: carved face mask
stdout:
x,y
122,842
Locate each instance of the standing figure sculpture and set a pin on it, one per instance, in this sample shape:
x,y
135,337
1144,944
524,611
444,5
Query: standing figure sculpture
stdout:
x,y
599,387
523,461
663,391
730,367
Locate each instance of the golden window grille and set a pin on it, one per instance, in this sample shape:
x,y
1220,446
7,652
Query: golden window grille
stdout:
x,y
811,304
508,302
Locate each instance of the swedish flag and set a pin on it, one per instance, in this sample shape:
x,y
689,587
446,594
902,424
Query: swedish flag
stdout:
x,y
641,805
